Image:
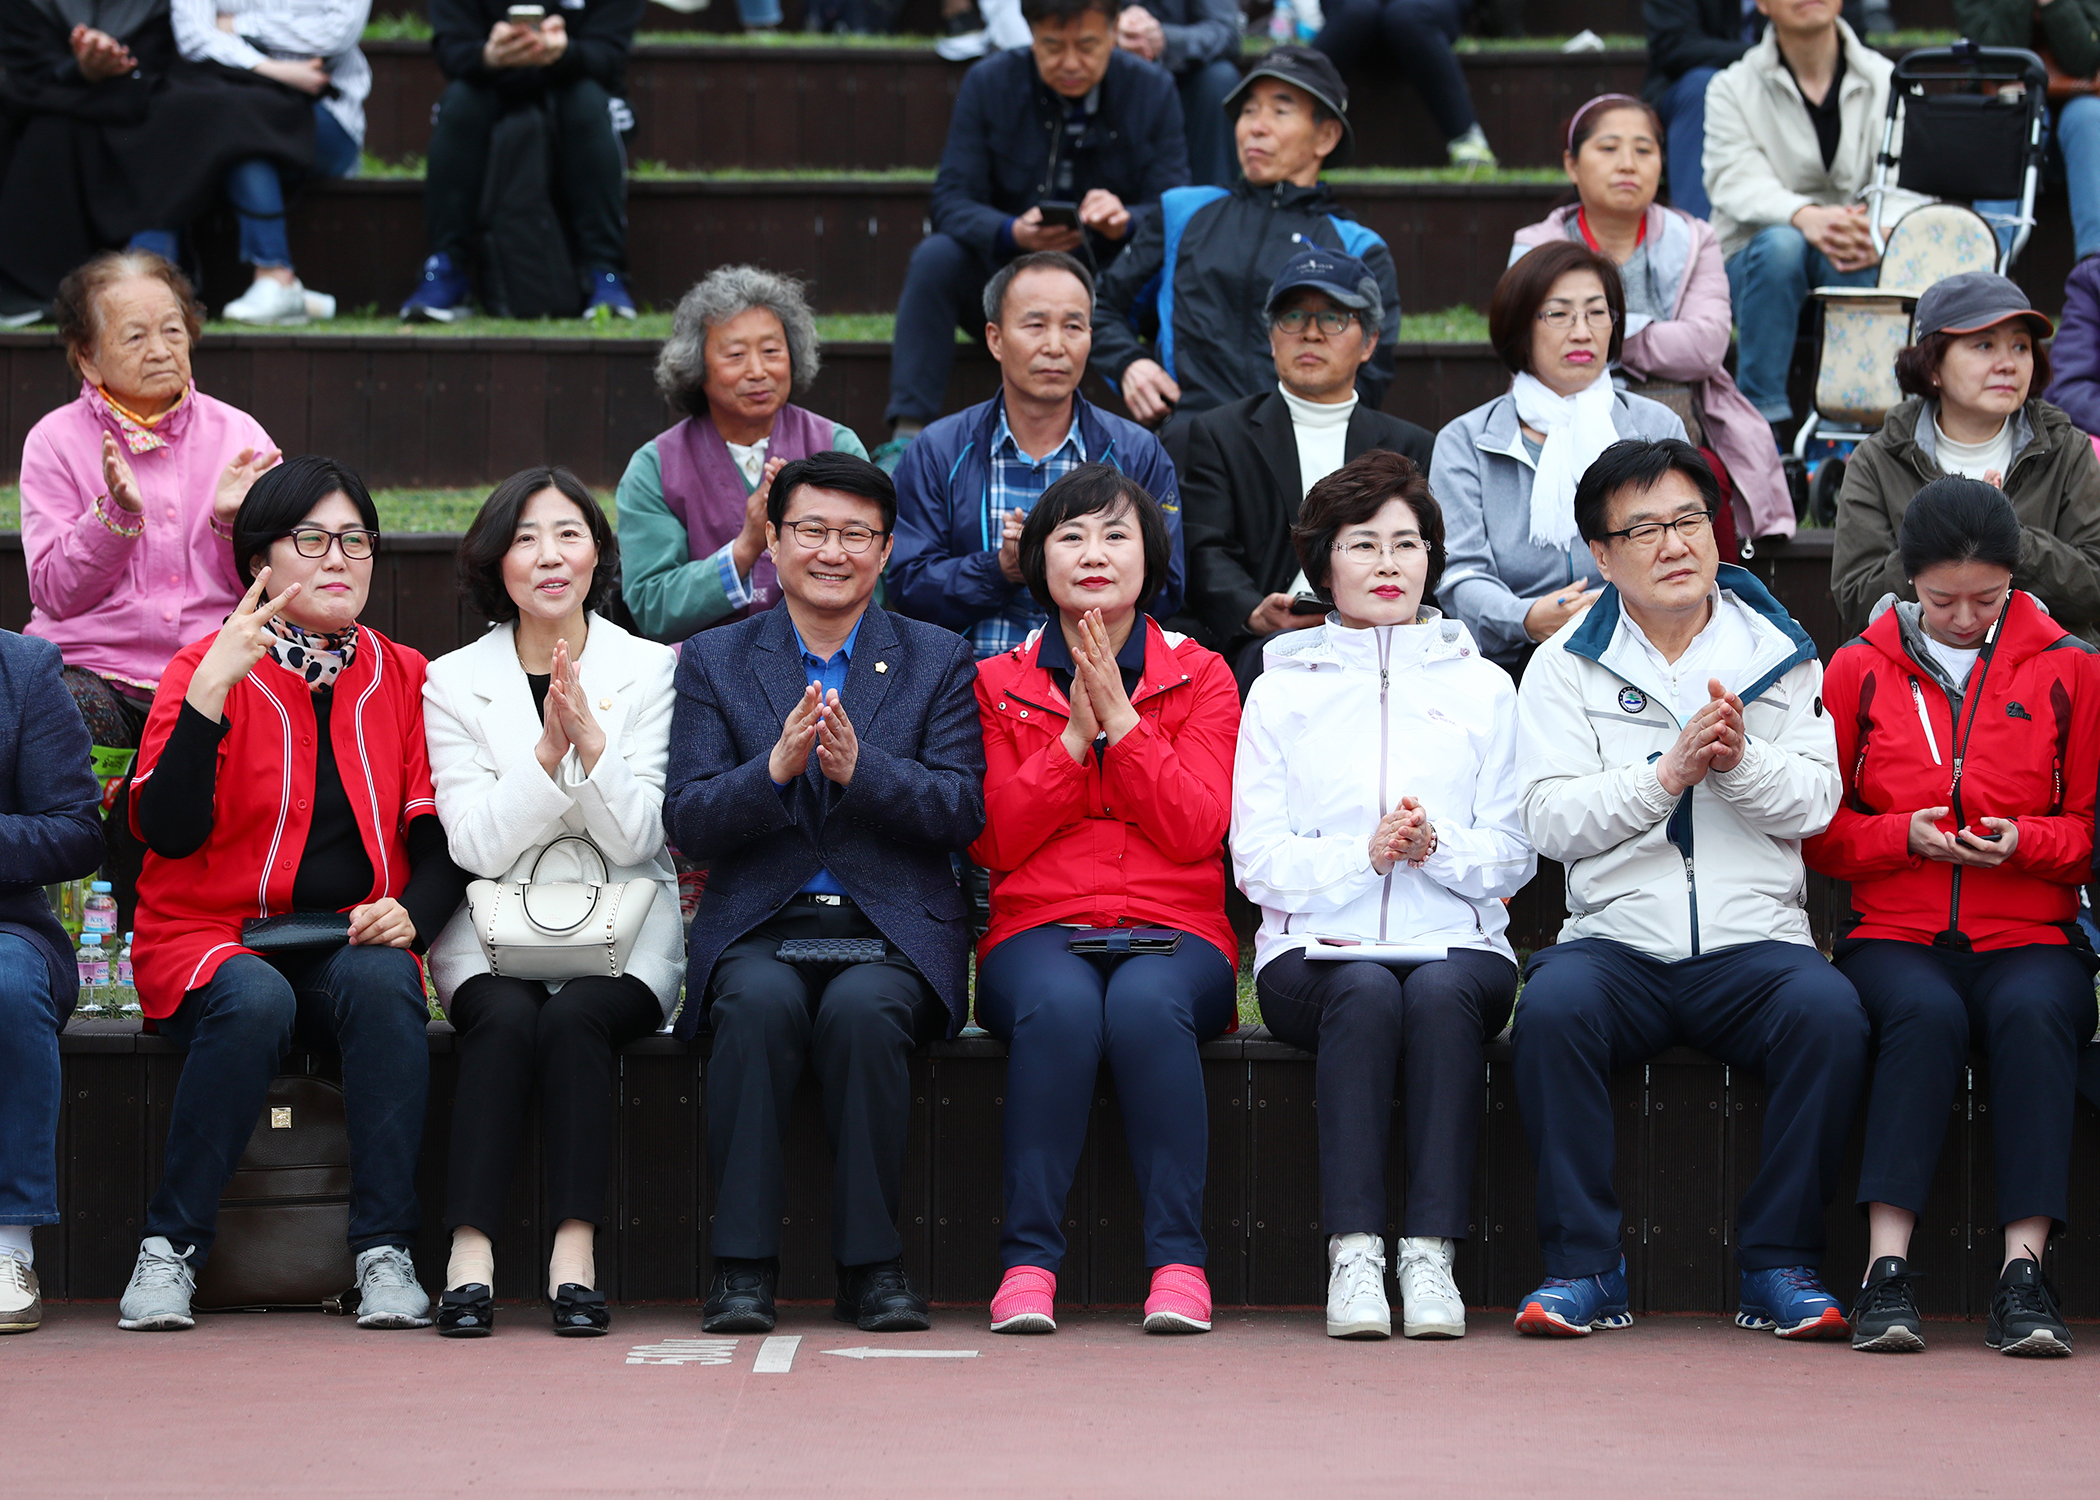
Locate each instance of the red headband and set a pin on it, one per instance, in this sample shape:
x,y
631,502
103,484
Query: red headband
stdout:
x,y
1601,99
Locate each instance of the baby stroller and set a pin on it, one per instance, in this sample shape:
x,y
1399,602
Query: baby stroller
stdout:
x,y
1971,121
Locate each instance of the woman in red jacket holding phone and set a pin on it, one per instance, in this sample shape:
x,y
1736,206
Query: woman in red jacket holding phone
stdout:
x,y
1108,789
1966,728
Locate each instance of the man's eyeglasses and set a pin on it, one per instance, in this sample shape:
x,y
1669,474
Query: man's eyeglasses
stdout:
x,y
811,535
1332,320
1599,318
312,541
1650,533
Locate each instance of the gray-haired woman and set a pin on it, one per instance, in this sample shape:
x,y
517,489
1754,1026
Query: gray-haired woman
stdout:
x,y
693,500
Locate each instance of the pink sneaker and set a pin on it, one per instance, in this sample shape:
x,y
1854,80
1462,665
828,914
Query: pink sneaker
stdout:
x,y
1024,1302
1180,1301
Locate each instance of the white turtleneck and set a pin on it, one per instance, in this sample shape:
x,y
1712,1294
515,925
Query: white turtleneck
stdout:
x,y
1974,460
1322,430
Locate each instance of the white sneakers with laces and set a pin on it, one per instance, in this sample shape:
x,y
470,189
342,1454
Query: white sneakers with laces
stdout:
x,y
21,1299
1356,1304
1430,1306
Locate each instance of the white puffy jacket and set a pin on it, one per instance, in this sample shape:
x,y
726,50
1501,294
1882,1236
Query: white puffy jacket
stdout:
x,y
1340,726
1719,865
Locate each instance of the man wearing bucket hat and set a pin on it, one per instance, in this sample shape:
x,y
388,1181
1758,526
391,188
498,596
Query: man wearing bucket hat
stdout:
x,y
1205,262
1971,371
1251,461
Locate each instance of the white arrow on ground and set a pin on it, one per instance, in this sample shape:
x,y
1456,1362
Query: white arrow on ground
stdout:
x,y
867,1353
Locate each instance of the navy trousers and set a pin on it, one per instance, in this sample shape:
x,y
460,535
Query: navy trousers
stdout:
x,y
943,291
1061,1015
1777,1009
2029,1010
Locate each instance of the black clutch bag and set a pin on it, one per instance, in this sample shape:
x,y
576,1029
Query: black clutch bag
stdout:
x,y
1159,940
832,951
289,931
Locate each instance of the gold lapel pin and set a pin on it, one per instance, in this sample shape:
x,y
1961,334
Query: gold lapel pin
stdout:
x,y
882,666
604,703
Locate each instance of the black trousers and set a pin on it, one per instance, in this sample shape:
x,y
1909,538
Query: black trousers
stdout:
x,y
513,1035
590,163
2029,1010
943,291
1366,1021
856,1025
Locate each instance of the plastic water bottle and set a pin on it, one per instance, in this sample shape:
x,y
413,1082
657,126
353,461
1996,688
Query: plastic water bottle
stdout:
x,y
94,974
99,912
124,995
124,963
1283,22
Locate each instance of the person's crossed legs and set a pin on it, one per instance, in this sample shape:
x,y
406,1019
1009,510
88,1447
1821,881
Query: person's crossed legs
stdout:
x,y
1769,280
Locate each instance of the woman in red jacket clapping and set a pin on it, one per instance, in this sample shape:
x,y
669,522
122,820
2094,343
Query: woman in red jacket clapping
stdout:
x,y
1967,733
1108,788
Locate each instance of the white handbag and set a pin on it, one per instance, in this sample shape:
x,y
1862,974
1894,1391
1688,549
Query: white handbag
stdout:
x,y
559,929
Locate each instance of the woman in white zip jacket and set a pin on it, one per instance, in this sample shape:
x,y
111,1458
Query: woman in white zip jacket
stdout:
x,y
556,722
1375,802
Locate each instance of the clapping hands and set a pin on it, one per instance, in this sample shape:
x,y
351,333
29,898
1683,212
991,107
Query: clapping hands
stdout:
x,y
819,719
1711,740
1403,835
1100,704
568,722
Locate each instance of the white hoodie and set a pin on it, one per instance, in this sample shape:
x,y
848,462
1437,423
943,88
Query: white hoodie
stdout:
x,y
1340,726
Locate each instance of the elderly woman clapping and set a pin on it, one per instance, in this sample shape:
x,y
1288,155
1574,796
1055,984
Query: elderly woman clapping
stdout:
x,y
692,503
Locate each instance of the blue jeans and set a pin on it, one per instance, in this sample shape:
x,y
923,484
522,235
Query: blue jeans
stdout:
x,y
256,189
1768,283
30,1021
365,1002
1213,155
1061,1015
1780,1010
2077,130
758,12
1683,111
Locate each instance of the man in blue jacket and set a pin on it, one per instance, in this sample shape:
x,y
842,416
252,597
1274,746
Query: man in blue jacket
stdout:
x,y
1205,261
1196,41
966,485
1064,147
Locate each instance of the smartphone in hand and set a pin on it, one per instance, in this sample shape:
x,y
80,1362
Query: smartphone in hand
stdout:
x,y
528,16
1063,215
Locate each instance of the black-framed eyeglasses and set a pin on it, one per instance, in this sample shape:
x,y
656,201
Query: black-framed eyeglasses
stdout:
x,y
811,535
1564,317
1332,320
1649,533
314,541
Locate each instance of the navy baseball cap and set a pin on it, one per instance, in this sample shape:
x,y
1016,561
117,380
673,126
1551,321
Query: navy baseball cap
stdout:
x,y
1308,69
1343,277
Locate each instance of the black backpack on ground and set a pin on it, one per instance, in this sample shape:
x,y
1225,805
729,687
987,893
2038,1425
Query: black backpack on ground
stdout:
x,y
526,268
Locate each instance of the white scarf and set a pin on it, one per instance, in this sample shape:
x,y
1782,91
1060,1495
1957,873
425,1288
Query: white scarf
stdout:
x,y
1578,428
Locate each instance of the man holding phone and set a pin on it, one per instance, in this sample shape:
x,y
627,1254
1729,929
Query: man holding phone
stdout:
x,y
1063,147
567,56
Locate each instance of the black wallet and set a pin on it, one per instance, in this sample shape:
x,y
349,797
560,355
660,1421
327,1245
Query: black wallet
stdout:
x,y
291,930
832,951
1158,940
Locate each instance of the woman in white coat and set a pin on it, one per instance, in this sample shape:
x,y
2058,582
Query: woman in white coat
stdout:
x,y
555,723
1375,822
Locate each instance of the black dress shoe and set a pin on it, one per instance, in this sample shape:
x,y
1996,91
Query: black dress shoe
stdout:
x,y
468,1312
740,1298
580,1312
880,1300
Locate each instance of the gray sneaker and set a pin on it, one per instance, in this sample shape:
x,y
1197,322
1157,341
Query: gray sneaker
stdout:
x,y
162,1284
21,1299
388,1294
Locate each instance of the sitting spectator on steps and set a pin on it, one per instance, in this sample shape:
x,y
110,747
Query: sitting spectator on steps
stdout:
x,y
1205,264
1196,41
310,46
1969,377
1251,462
495,65
2074,354
1792,131
1684,710
2069,31
1064,147
1414,36
1689,41
1678,320
965,488
692,503
109,137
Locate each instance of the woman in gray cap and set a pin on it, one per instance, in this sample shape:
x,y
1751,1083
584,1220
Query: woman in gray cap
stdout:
x,y
1971,370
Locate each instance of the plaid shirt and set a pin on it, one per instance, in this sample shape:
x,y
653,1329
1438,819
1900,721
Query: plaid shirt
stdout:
x,y
1016,483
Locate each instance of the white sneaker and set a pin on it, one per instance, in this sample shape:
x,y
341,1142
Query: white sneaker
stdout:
x,y
1430,1307
269,303
162,1284
320,307
388,1294
1356,1305
21,1300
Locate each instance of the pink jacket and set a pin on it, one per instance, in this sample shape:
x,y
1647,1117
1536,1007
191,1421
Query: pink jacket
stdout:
x,y
1688,347
123,606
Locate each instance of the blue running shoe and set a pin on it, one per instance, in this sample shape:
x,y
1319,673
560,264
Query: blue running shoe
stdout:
x,y
1570,1309
1792,1303
888,455
609,298
443,296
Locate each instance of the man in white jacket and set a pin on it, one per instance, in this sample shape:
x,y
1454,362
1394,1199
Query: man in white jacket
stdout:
x,y
1682,715
1792,130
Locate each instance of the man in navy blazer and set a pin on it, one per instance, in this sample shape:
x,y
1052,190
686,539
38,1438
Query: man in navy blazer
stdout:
x,y
826,759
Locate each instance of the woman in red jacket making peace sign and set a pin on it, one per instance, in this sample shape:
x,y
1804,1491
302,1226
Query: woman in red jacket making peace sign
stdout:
x,y
1967,731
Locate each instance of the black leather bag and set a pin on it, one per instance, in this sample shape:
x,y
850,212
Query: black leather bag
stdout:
x,y
284,1219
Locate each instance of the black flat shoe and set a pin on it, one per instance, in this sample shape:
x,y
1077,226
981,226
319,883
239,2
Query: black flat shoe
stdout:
x,y
879,1299
469,1312
740,1298
579,1312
